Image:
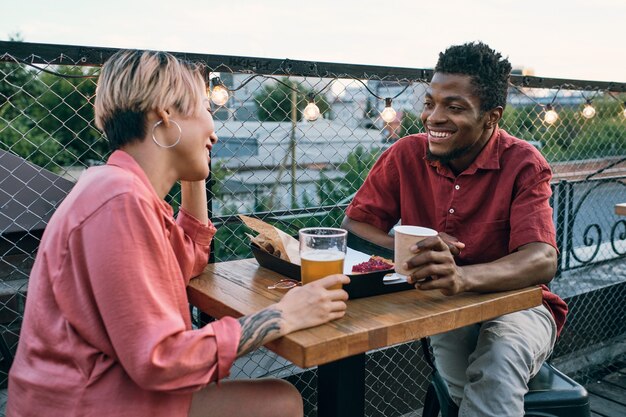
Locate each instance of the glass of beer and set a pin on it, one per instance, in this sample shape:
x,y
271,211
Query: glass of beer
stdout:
x,y
322,252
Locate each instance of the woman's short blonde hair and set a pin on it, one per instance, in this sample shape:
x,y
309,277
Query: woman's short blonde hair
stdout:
x,y
132,83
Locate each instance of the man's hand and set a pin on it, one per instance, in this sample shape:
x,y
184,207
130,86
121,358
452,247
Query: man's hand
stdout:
x,y
454,244
435,265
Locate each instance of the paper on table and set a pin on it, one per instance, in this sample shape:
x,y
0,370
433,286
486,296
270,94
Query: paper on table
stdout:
x,y
287,246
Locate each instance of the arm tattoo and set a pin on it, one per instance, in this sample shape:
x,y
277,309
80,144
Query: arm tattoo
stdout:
x,y
258,327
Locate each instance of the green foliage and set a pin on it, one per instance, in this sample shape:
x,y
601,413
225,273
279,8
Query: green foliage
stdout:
x,y
355,169
410,125
219,173
274,101
327,191
521,122
70,117
307,201
572,137
231,242
47,119
357,166
173,197
20,132
263,203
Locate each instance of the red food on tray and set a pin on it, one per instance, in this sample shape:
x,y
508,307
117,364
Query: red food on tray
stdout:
x,y
375,263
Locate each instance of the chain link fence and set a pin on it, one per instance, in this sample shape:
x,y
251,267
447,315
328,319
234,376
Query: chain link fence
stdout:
x,y
273,163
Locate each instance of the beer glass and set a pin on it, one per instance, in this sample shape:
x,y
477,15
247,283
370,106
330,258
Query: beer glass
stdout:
x,y
322,252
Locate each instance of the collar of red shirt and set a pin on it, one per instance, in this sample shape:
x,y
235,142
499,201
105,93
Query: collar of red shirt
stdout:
x,y
123,160
488,158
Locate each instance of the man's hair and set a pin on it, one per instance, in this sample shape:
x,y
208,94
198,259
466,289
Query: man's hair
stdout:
x,y
133,82
488,70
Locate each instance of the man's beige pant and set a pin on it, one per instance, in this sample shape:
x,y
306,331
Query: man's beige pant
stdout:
x,y
488,365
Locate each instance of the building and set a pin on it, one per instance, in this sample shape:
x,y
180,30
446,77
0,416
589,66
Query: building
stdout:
x,y
259,158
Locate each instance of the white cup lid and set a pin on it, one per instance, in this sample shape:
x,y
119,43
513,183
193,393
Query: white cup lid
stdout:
x,y
414,230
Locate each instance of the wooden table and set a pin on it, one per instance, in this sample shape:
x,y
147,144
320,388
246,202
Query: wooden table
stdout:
x,y
239,288
620,209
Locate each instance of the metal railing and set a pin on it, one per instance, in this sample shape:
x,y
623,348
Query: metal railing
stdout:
x,y
272,163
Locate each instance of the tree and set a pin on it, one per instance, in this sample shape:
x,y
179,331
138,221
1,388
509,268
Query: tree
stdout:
x,y
20,113
355,169
410,124
328,191
274,101
46,118
68,118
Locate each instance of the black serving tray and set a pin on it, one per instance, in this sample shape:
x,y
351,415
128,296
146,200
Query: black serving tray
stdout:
x,y
361,285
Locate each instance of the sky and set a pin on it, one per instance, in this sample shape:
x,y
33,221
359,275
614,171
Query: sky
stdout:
x,y
574,39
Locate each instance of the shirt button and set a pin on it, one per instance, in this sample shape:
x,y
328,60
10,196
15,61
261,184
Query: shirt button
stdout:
x,y
457,187
451,211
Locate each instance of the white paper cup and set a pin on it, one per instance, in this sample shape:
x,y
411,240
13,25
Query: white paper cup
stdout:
x,y
404,238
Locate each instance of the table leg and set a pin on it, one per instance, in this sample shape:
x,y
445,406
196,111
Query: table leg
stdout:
x,y
341,387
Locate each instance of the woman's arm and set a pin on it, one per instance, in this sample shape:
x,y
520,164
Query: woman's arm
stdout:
x,y
300,308
194,200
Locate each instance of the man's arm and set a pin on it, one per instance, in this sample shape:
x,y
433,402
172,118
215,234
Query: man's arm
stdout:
x,y
375,235
368,232
532,264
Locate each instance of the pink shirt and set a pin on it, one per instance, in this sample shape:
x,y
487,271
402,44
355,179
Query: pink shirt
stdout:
x,y
107,329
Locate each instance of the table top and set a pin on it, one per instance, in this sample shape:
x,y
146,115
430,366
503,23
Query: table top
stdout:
x,y
239,288
620,209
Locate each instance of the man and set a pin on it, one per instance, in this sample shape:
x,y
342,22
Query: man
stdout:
x,y
487,194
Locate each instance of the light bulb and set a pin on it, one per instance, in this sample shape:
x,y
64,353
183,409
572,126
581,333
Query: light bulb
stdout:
x,y
551,116
311,112
589,111
388,114
219,95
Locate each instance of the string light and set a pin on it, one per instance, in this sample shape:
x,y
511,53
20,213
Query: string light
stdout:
x,y
311,112
388,114
551,116
589,111
219,94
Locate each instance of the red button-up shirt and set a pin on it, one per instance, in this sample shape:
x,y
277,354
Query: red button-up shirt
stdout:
x,y
499,203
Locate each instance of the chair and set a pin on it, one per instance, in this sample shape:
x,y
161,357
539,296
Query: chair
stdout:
x,y
550,394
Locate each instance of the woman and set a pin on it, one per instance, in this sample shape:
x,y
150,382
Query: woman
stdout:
x,y
107,330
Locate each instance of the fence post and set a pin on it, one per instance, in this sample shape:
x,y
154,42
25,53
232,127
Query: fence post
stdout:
x,y
559,201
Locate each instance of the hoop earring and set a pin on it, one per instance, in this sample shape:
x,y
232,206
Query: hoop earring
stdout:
x,y
180,133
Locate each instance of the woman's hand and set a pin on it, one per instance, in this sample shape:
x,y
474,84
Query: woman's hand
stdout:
x,y
302,307
313,304
435,265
